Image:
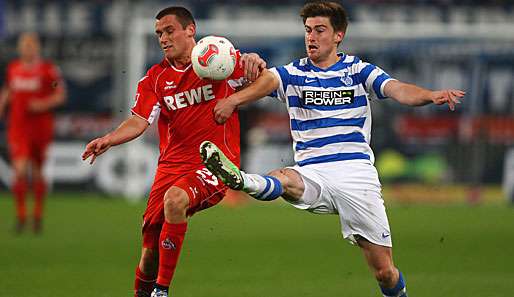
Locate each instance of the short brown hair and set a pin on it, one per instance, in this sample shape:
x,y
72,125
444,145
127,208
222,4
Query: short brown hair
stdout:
x,y
183,15
332,10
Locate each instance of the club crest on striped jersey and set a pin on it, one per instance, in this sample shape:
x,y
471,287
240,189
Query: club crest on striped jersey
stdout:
x,y
347,80
328,98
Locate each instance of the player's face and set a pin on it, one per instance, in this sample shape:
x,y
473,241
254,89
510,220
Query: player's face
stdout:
x,y
320,38
174,40
28,46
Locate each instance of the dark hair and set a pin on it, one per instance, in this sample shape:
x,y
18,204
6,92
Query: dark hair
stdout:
x,y
333,10
183,15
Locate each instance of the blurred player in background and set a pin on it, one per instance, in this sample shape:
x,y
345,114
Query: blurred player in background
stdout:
x,y
328,104
182,103
33,89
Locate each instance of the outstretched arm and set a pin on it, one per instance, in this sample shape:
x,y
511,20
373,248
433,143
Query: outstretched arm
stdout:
x,y
4,100
266,83
56,99
128,130
413,95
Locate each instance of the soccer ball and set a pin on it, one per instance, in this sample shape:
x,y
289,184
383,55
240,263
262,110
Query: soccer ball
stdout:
x,y
214,58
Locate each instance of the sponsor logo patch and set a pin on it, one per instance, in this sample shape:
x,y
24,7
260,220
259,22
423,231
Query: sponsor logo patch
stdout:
x,y
170,85
189,97
328,98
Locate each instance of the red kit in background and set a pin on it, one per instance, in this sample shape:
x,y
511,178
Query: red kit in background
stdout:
x,y
33,88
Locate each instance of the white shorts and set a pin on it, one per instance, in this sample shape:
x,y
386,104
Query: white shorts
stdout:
x,y
352,190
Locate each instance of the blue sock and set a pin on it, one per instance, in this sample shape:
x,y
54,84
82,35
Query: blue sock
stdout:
x,y
264,188
398,291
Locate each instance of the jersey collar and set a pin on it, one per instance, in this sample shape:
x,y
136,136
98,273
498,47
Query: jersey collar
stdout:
x,y
165,63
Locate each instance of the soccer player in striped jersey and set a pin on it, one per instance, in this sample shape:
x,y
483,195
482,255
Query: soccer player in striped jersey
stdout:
x,y
326,95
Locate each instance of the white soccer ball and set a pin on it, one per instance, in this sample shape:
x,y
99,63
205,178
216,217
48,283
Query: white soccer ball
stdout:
x,y
214,58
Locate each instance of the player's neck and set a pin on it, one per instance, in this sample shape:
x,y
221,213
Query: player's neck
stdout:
x,y
325,63
180,62
184,60
29,61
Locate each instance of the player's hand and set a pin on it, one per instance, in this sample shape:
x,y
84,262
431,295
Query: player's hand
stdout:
x,y
252,64
450,96
95,148
223,110
37,106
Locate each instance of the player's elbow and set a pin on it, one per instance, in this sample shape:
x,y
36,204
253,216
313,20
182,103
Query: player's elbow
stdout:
x,y
139,124
271,80
407,94
61,101
60,98
410,101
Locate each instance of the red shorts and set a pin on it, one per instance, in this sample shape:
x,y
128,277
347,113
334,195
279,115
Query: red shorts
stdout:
x,y
203,188
27,147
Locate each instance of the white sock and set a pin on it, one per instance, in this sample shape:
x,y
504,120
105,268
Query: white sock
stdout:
x,y
265,188
253,183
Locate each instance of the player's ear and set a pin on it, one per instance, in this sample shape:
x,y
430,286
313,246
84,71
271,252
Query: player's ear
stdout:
x,y
339,36
191,30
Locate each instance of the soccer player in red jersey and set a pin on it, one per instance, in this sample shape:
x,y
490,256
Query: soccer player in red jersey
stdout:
x,y
33,88
182,104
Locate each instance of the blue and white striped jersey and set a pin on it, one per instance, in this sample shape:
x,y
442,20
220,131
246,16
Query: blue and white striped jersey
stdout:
x,y
329,108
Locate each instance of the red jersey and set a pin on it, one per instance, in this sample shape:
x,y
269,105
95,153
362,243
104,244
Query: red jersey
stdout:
x,y
28,83
184,105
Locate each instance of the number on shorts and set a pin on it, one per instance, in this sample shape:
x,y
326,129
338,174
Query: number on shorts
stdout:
x,y
208,177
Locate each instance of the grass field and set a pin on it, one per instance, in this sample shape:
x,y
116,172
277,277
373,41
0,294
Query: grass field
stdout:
x,y
90,247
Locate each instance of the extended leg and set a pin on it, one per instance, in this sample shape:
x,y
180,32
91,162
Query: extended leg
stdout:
x,y
380,261
283,182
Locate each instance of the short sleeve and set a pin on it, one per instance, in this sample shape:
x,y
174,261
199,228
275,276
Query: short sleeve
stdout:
x,y
373,78
146,103
283,78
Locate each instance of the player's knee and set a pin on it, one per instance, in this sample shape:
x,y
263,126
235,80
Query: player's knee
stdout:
x,y
291,182
385,275
20,170
176,200
280,174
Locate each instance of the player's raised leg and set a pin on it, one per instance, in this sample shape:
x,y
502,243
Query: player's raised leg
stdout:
x,y
221,166
265,188
380,261
176,203
283,182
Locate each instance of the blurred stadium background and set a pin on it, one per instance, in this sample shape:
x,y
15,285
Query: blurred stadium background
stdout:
x,y
448,176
